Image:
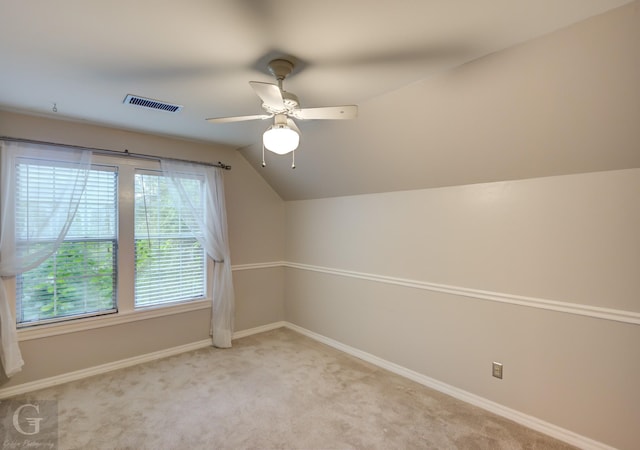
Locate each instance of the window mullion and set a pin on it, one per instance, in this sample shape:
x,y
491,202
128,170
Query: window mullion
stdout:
x,y
126,248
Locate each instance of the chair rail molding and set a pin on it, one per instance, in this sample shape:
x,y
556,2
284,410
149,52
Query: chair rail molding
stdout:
x,y
598,312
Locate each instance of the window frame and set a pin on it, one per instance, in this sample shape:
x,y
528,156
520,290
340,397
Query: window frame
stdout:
x,y
158,173
96,167
126,310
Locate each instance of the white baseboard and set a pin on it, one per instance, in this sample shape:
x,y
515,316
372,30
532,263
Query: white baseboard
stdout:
x,y
260,329
121,364
524,419
97,370
518,417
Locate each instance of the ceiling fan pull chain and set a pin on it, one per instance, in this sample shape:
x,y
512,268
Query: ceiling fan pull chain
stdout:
x,y
293,159
264,164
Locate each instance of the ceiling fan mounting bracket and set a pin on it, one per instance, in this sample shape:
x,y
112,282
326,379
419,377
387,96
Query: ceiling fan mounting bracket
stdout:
x,y
280,68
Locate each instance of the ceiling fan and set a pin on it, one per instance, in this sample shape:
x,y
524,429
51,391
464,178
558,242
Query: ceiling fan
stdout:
x,y
284,135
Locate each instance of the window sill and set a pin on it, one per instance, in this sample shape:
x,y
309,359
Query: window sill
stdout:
x,y
108,320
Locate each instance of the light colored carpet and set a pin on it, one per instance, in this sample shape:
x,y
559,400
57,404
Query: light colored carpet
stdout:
x,y
275,390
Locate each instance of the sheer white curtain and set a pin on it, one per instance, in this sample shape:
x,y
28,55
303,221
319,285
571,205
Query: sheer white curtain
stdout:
x,y
45,229
211,231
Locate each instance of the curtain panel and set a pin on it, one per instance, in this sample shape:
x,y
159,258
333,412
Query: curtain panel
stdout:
x,y
45,229
210,229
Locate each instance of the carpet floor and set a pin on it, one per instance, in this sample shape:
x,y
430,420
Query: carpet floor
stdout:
x,y
274,390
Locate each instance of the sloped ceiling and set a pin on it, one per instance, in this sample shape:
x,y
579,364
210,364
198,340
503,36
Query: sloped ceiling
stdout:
x,y
428,115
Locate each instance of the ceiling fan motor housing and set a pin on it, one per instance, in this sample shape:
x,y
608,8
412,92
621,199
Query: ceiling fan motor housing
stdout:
x,y
290,102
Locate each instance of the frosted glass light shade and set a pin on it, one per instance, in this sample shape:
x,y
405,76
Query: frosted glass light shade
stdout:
x,y
280,139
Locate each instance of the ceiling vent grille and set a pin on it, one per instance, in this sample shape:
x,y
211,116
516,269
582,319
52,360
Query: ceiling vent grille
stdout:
x,y
150,103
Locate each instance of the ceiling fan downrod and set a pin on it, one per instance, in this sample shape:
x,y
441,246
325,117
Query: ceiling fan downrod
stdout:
x,y
280,69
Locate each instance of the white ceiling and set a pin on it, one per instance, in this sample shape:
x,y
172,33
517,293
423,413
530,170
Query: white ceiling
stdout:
x,y
86,56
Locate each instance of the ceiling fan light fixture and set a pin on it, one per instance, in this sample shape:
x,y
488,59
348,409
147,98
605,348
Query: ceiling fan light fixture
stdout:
x,y
280,139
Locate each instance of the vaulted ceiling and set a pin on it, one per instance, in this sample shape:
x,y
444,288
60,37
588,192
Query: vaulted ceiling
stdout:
x,y
449,92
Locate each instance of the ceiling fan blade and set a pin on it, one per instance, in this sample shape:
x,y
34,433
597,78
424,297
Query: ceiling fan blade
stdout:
x,y
238,118
269,93
328,112
291,124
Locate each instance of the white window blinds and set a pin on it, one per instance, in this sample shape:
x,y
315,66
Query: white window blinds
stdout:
x,y
80,277
170,263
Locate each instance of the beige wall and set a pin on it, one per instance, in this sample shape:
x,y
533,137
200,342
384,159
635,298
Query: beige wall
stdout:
x,y
568,102
255,218
572,239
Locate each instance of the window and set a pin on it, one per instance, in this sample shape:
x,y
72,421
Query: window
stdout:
x,y
128,246
170,263
79,278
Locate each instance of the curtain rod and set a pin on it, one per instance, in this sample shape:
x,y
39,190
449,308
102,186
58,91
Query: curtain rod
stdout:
x,y
116,152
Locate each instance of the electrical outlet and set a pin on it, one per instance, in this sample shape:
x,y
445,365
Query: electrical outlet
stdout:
x,y
497,370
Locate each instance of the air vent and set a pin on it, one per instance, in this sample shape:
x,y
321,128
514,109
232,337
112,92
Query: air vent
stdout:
x,y
149,103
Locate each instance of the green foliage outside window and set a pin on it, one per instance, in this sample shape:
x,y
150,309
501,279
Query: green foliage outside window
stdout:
x,y
77,279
